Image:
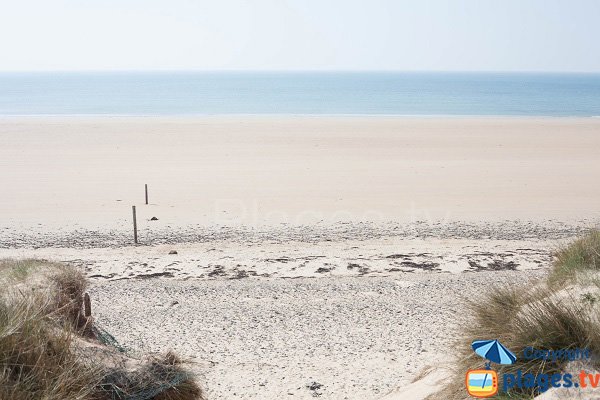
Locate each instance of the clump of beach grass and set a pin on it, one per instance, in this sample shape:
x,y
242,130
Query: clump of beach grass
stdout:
x,y
45,352
36,357
560,312
583,255
19,270
37,333
160,378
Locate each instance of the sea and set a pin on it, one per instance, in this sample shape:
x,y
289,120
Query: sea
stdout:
x,y
299,93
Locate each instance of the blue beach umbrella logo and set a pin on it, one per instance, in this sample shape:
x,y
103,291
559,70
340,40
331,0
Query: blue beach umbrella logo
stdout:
x,y
493,351
482,383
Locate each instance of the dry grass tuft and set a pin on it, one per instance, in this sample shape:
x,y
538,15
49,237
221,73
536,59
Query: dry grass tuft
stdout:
x,y
43,354
70,287
36,359
581,255
159,378
19,270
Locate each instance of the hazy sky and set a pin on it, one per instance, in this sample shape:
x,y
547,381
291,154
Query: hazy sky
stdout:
x,y
501,35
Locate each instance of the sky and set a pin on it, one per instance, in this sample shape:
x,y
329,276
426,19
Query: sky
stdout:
x,y
436,35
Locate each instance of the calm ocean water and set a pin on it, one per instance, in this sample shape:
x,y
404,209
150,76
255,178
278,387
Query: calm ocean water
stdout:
x,y
191,93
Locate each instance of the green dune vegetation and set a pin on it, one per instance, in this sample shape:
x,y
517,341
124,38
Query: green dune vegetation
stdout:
x,y
51,348
561,311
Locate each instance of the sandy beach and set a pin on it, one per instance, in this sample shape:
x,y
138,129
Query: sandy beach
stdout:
x,y
296,257
297,170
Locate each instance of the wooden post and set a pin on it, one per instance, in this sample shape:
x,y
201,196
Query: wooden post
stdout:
x,y
135,239
86,322
146,185
87,303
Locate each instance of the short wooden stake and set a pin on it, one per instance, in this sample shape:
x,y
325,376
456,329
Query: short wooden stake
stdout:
x,y
135,238
86,322
87,303
146,185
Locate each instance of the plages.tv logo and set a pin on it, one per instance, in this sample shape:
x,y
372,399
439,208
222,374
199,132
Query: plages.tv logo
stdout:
x,y
484,382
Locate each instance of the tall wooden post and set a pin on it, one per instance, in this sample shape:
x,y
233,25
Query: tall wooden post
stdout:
x,y
135,238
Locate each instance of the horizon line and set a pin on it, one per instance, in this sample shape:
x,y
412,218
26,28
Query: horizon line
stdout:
x,y
192,70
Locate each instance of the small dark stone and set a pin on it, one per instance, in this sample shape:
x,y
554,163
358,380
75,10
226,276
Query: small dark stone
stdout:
x,y
314,386
153,219
173,252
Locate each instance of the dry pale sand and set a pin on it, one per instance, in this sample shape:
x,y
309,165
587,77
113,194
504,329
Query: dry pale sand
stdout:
x,y
88,172
315,256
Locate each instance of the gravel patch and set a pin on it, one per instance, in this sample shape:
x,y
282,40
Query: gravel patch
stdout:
x,y
358,338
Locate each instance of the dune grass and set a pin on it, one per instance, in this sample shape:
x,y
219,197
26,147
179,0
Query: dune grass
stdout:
x,y
45,352
581,255
36,358
561,312
37,329
19,270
